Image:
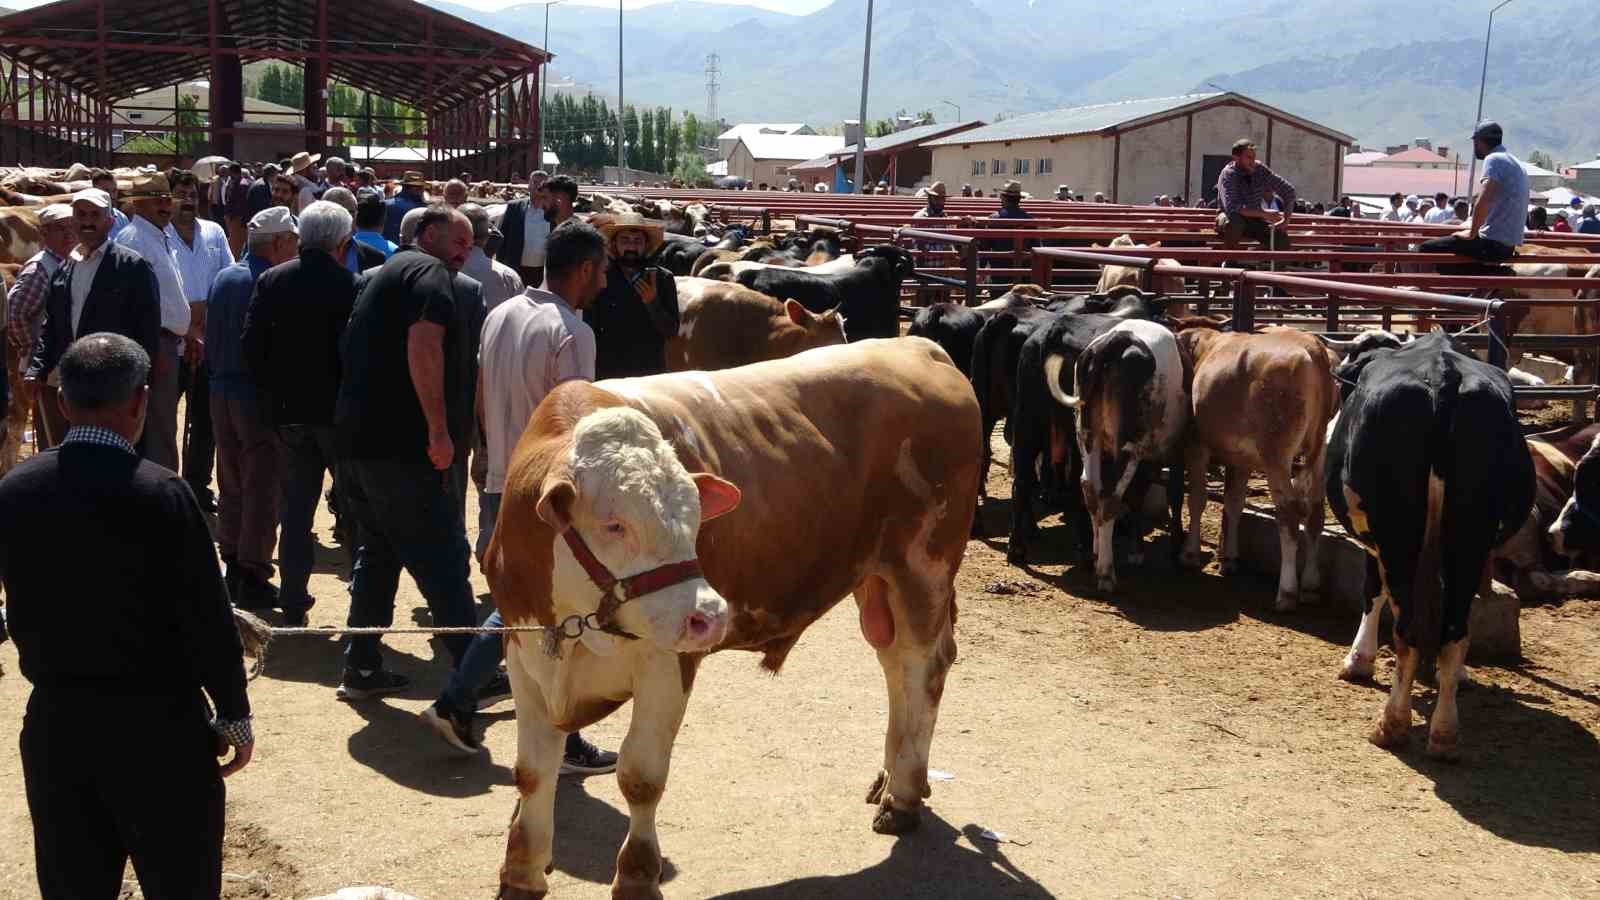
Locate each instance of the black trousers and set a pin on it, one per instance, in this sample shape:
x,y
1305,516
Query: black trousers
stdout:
x,y
112,778
1488,253
199,438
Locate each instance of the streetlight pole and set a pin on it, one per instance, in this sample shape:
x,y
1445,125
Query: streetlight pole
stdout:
x,y
1483,80
544,69
622,146
866,68
956,105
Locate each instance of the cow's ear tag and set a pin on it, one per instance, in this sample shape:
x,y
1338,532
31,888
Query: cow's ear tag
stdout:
x,y
718,496
555,504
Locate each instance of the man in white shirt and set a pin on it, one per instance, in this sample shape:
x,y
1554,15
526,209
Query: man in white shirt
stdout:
x,y
200,247
1440,214
500,282
526,228
1397,209
146,235
530,344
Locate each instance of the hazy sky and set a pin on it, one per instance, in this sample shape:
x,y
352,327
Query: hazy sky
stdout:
x,y
795,7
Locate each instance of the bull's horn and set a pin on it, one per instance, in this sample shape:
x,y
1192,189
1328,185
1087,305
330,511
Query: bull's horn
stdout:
x,y
1341,346
1052,377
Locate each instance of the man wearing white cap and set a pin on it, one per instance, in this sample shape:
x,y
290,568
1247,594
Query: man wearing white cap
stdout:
x,y
101,286
25,313
249,453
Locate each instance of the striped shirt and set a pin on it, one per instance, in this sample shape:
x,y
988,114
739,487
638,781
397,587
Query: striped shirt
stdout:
x,y
1238,189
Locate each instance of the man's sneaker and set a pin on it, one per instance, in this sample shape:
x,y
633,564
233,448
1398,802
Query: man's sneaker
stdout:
x,y
362,685
498,690
587,759
455,731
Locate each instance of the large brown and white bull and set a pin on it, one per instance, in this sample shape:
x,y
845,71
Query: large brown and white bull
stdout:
x,y
699,491
1262,403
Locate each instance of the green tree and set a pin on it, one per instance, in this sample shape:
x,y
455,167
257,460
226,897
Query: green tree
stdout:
x,y
1542,160
270,87
691,134
647,141
193,134
630,134
674,138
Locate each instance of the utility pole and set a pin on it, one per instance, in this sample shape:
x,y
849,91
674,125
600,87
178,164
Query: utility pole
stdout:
x,y
712,71
866,68
1472,173
622,135
544,68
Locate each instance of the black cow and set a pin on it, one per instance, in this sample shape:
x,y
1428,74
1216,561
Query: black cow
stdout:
x,y
1428,469
678,253
867,296
1043,432
954,327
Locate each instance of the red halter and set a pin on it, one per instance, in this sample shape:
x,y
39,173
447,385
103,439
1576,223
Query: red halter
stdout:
x,y
618,591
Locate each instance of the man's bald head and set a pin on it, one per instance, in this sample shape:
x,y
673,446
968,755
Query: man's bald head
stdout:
x,y
445,234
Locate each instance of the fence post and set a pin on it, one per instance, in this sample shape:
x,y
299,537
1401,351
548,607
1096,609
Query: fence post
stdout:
x,y
1499,339
766,221
970,252
1332,323
1244,299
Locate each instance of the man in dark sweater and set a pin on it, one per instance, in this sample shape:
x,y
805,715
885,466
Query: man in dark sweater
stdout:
x,y
119,745
638,311
291,346
403,421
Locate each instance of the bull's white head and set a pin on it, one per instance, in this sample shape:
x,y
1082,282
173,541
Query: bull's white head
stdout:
x,y
637,509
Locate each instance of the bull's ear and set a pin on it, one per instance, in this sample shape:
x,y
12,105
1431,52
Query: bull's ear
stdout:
x,y
555,504
717,496
798,314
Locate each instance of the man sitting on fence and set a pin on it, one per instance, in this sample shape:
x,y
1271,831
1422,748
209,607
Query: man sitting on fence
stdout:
x,y
1498,219
1240,189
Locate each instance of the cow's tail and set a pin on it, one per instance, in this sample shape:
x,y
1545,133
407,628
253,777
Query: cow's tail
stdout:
x,y
1427,619
988,343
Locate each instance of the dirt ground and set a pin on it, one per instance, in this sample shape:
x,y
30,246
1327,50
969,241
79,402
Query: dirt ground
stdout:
x,y
1179,739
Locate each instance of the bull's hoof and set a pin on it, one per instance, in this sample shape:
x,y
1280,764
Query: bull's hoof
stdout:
x,y
512,892
1287,601
1231,566
634,891
1357,669
875,793
1136,556
1106,583
1444,747
1017,554
1192,559
1391,734
892,820
1311,596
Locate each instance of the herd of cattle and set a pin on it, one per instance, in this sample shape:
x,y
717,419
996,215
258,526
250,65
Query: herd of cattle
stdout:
x,y
659,519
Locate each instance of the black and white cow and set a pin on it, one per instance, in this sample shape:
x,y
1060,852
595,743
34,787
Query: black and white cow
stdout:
x,y
867,296
1428,469
1042,429
1576,531
1132,411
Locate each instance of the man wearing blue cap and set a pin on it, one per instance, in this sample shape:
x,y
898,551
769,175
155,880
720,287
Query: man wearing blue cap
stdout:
x,y
1499,218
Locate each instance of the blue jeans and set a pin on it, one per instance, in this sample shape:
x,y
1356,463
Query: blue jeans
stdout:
x,y
309,452
409,516
477,667
488,514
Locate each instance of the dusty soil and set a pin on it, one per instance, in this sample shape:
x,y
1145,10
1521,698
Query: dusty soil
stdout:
x,y
1178,739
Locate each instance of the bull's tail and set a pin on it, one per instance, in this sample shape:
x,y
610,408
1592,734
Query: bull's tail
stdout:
x,y
1427,619
983,348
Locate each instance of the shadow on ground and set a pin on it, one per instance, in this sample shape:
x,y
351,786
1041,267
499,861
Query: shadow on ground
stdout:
x,y
589,832
933,859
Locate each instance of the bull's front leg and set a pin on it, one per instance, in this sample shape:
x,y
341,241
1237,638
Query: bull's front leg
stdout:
x,y
660,695
530,843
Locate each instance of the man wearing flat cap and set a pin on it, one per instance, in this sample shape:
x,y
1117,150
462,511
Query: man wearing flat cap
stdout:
x,y
638,311
1499,218
148,235
101,286
25,314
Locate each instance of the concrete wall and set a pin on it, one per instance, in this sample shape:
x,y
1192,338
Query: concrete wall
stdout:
x,y
1082,161
1588,181
1215,130
772,171
1305,158
1151,163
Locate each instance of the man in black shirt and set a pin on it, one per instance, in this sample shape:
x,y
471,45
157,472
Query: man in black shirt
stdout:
x,y
638,311
123,626
404,414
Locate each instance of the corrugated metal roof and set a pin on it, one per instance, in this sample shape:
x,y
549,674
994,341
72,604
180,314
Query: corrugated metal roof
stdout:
x,y
1591,164
913,135
748,128
791,146
1073,120
820,164
1416,155
1364,158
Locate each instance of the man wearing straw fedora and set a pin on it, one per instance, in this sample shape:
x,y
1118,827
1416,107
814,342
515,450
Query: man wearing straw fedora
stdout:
x,y
300,172
1011,202
149,235
638,311
412,195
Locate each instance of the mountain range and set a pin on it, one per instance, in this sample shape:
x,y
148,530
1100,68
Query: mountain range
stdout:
x,y
1385,71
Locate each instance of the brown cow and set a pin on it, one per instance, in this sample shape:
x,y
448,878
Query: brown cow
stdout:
x,y
601,483
1130,276
1532,562
1261,401
723,325
19,234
